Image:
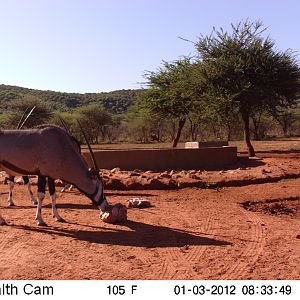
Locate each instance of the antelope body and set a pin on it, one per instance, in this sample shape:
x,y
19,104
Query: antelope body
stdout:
x,y
49,151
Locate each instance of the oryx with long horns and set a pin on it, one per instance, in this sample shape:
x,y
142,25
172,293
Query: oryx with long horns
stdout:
x,y
50,151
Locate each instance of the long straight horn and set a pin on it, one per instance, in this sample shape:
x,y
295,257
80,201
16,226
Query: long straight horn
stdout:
x,y
64,124
90,148
22,118
23,123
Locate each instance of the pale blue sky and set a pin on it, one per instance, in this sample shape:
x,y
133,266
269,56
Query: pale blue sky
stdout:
x,y
96,45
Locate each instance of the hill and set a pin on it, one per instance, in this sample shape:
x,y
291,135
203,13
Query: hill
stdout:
x,y
115,102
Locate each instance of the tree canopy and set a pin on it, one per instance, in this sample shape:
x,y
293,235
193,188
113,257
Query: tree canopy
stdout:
x,y
244,69
174,91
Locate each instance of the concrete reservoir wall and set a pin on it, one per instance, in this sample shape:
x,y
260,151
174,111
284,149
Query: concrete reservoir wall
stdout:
x,y
164,159
205,144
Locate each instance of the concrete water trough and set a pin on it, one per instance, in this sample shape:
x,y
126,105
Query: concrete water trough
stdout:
x,y
205,144
165,159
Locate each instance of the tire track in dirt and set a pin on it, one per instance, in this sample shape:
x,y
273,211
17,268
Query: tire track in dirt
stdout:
x,y
11,247
198,250
169,269
16,248
194,254
8,250
251,252
4,240
177,264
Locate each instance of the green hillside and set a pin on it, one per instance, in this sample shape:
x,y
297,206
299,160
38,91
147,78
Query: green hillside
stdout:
x,y
115,102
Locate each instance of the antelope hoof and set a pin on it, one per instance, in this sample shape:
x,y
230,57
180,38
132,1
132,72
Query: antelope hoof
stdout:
x,y
61,220
42,223
2,222
11,204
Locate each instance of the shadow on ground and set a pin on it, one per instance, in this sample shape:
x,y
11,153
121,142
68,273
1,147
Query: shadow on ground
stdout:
x,y
139,235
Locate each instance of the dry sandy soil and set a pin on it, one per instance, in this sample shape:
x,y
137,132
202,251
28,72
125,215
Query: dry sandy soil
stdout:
x,y
232,225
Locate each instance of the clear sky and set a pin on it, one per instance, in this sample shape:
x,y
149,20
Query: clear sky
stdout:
x,y
104,45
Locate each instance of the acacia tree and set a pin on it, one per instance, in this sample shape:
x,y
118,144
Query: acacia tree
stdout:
x,y
94,119
285,118
41,114
172,92
245,68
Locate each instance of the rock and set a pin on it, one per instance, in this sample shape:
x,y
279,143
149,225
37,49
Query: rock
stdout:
x,y
19,180
185,248
34,180
132,184
134,174
165,175
175,176
116,214
191,172
173,184
114,184
59,183
115,170
156,184
183,173
138,203
195,176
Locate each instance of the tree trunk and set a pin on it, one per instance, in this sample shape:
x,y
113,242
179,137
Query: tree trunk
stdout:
x,y
285,127
172,131
228,132
193,132
256,119
255,129
250,148
177,137
159,134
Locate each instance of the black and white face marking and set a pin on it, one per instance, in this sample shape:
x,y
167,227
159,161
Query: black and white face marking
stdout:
x,y
99,198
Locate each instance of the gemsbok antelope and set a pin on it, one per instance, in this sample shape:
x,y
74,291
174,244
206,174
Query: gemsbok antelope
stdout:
x,y
48,150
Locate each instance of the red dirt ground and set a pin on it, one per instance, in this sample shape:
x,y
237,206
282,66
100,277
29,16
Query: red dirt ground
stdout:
x,y
244,229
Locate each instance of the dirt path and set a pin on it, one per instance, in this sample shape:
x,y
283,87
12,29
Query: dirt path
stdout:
x,y
188,234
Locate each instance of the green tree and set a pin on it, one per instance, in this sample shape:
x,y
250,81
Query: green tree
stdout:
x,y
41,115
143,124
94,119
245,69
285,118
173,92
69,119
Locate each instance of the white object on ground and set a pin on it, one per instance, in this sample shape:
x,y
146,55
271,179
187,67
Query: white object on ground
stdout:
x,y
139,202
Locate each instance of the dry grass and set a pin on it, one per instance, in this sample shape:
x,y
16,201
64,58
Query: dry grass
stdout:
x,y
274,145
